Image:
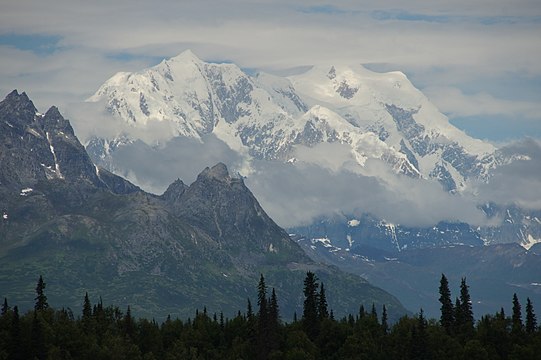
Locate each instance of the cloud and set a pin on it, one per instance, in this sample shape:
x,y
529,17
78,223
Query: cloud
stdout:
x,y
298,194
517,182
90,119
454,102
154,168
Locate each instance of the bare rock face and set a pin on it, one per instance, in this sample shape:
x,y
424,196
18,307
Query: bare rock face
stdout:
x,y
226,209
36,147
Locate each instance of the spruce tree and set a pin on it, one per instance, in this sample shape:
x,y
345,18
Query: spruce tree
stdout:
x,y
531,321
38,347
87,307
15,346
263,320
262,299
87,314
274,323
447,311
323,311
384,323
419,338
362,312
41,299
457,314
466,312
310,311
249,311
373,312
129,326
5,307
274,314
516,317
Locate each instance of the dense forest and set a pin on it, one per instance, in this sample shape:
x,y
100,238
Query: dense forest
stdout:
x,y
106,332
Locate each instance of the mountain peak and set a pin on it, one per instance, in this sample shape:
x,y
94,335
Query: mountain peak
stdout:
x,y
53,112
186,56
14,95
218,172
20,103
174,191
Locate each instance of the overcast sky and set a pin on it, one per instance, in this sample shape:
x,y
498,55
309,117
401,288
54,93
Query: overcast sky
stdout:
x,y
478,61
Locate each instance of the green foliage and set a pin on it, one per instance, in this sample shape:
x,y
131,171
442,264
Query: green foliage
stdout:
x,y
531,320
464,322
105,332
516,318
41,299
447,311
310,318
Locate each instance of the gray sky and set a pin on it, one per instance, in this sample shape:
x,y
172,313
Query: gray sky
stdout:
x,y
478,61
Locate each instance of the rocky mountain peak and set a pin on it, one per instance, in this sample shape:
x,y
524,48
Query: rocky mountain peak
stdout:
x,y
53,121
174,191
20,108
37,147
217,172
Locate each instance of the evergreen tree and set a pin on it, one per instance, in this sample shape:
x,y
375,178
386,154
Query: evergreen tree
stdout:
x,y
38,348
466,312
129,326
310,313
531,321
41,299
373,312
87,314
15,346
263,321
262,299
447,311
274,315
419,338
87,307
362,312
322,306
249,311
5,307
384,324
274,322
516,317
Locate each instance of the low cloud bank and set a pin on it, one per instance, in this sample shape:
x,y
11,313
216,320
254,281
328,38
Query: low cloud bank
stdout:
x,y
325,180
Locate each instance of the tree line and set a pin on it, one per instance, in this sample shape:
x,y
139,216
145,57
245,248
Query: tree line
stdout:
x,y
106,332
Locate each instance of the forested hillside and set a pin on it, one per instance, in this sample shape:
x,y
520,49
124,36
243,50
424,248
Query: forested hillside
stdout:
x,y
107,332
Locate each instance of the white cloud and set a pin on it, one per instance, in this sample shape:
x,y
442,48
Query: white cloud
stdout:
x,y
518,182
455,103
294,195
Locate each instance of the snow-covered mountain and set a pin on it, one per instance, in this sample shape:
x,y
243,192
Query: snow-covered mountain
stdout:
x,y
376,115
373,117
